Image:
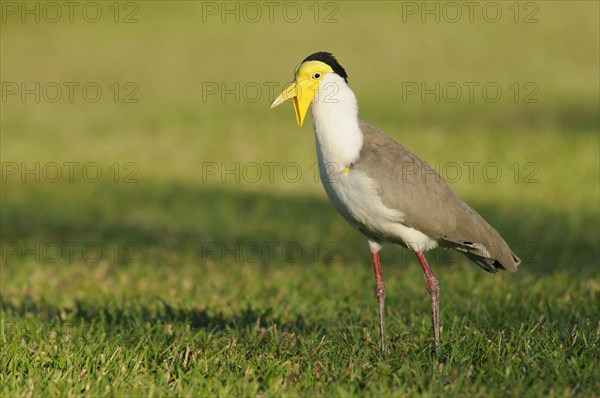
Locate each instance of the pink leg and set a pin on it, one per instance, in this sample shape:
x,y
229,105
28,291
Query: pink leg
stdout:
x,y
433,287
380,294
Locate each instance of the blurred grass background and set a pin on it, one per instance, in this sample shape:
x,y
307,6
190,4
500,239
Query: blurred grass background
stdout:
x,y
175,129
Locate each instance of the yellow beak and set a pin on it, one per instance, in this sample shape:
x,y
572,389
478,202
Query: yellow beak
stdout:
x,y
301,93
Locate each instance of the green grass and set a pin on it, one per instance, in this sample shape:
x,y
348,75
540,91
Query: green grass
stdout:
x,y
179,283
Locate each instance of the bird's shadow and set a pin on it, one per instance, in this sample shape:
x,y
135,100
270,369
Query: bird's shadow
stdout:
x,y
36,319
169,217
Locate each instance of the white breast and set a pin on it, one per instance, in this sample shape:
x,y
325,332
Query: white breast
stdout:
x,y
355,196
339,141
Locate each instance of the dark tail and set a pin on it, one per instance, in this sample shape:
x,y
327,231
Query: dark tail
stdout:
x,y
491,257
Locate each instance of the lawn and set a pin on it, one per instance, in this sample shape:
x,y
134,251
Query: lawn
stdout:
x,y
164,234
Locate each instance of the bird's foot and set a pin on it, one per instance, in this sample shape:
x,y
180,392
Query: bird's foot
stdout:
x,y
435,349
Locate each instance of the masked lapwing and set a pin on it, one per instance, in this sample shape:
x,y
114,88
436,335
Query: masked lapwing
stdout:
x,y
382,189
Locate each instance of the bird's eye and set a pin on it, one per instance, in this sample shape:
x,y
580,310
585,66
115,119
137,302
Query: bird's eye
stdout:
x,y
316,75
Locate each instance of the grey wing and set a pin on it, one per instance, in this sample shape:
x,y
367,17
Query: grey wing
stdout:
x,y
407,183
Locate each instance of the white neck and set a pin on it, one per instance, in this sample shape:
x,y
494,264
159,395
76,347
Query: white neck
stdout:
x,y
335,120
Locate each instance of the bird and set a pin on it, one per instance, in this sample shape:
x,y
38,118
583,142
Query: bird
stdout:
x,y
382,189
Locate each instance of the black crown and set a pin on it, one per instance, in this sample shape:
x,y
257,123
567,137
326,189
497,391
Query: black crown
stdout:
x,y
330,60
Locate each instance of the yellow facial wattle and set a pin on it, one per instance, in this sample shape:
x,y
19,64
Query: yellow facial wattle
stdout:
x,y
304,87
